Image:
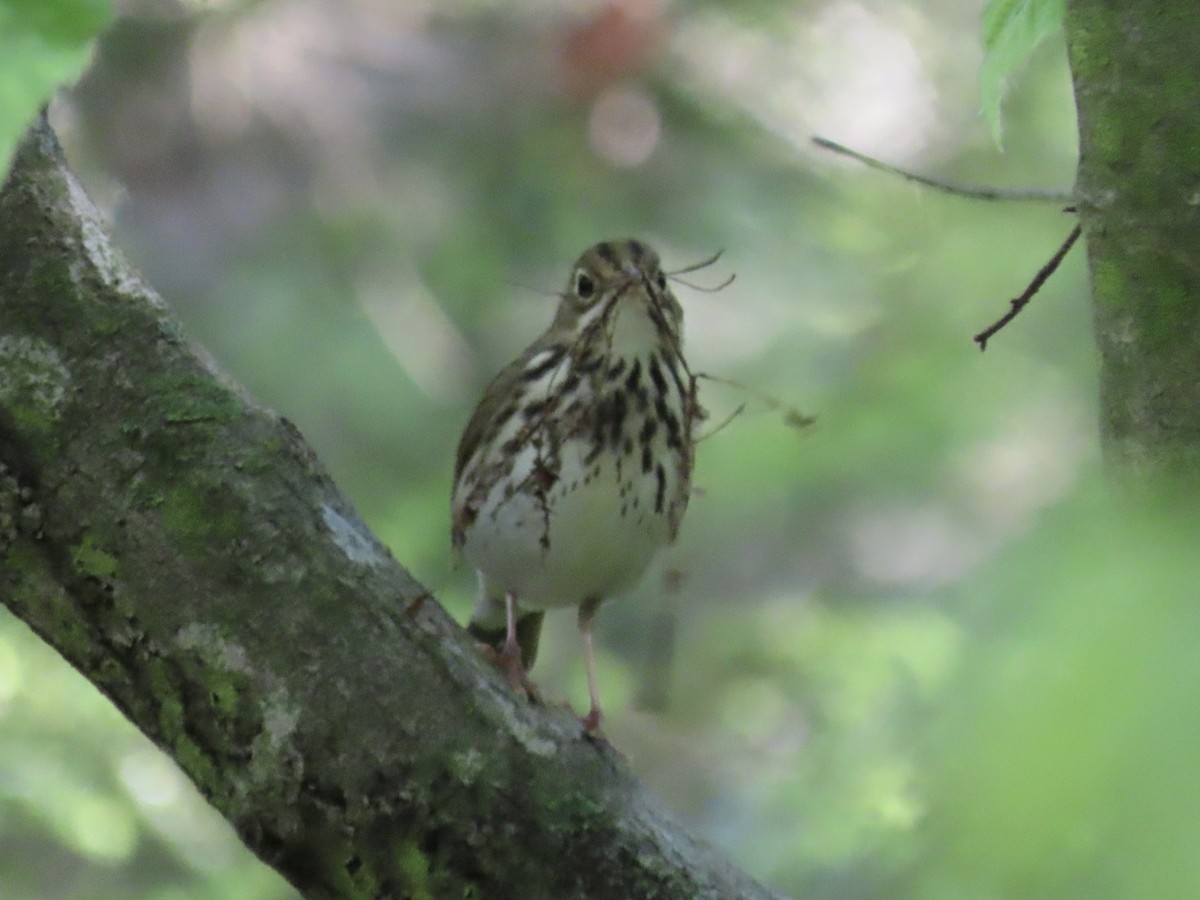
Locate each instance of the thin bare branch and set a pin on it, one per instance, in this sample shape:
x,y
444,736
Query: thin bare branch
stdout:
x,y
1019,303
975,192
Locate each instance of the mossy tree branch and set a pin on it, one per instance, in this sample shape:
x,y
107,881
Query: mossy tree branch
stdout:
x,y
1136,68
184,549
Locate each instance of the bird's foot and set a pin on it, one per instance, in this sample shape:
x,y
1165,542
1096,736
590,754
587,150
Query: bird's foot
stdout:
x,y
509,662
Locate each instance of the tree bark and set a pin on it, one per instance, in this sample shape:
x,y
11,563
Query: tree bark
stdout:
x,y
184,549
1136,67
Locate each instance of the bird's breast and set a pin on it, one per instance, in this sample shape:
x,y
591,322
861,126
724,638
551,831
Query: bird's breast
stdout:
x,y
585,481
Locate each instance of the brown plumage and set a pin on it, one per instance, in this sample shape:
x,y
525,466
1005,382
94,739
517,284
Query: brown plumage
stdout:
x,y
575,466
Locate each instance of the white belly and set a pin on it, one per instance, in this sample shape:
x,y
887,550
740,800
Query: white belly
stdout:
x,y
591,534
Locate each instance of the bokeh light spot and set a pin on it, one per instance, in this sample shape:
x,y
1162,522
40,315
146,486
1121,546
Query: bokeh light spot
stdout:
x,y
624,127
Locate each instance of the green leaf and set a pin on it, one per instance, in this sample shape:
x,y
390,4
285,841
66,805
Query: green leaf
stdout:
x,y
1012,29
43,43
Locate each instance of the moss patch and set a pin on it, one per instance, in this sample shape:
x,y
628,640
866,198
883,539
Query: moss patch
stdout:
x,y
194,397
413,868
196,521
90,560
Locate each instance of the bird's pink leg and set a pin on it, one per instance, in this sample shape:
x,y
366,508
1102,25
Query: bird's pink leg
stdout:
x,y
587,613
510,656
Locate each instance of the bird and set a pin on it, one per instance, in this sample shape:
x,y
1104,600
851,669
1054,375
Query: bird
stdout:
x,y
575,467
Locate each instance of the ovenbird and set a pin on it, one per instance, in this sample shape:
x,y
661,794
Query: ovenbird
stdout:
x,y
575,467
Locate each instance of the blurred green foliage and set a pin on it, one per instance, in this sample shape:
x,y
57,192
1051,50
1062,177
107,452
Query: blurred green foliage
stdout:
x,y
1061,764
43,43
919,650
1012,29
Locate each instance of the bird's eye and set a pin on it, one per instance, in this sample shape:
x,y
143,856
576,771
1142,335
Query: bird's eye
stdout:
x,y
584,286
661,281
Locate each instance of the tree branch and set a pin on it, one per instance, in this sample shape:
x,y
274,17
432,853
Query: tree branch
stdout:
x,y
973,192
1019,303
1139,205
187,552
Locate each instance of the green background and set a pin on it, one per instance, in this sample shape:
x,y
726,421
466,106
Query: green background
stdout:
x,y
917,649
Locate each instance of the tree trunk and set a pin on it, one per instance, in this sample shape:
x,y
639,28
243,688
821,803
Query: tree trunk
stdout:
x,y
1136,67
184,549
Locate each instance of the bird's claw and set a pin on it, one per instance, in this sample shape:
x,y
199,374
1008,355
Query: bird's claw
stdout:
x,y
509,662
